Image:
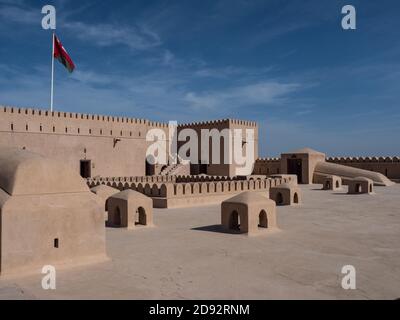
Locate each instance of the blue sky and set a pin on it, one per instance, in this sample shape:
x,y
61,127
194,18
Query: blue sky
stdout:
x,y
286,64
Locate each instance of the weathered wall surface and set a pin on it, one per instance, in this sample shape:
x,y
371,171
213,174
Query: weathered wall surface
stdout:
x,y
388,166
267,166
223,168
116,146
171,194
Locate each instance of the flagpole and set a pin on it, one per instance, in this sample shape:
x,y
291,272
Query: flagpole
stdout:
x,y
52,75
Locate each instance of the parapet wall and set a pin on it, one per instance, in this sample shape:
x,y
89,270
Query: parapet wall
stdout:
x,y
218,123
388,166
172,194
267,166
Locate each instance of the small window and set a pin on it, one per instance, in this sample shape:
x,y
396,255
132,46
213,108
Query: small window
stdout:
x,y
56,243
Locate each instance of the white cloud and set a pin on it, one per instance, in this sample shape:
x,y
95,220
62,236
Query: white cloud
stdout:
x,y
20,15
261,93
104,35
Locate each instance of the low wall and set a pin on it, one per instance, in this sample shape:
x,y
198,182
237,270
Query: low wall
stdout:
x,y
267,166
173,195
388,166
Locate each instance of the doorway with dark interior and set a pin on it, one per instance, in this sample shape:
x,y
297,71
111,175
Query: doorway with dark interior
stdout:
x,y
294,166
85,168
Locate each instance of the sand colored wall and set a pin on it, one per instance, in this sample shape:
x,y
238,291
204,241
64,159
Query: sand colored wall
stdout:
x,y
72,137
47,214
346,172
30,224
221,169
388,166
267,166
309,161
173,195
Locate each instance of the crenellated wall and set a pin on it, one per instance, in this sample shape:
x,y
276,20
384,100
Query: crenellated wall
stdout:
x,y
115,146
172,194
267,166
223,168
388,166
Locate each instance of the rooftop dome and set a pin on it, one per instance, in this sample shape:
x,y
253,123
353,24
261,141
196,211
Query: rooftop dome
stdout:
x,y
248,197
27,173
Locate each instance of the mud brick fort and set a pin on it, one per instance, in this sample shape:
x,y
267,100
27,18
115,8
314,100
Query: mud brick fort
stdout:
x,y
50,160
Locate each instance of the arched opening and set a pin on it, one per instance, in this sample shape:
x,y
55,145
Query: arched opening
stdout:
x,y
327,184
337,184
117,217
262,219
234,221
358,188
140,216
279,198
370,188
296,198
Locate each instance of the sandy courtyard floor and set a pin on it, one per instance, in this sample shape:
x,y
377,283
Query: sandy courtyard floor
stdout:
x,y
186,257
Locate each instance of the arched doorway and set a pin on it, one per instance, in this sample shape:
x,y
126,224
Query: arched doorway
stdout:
x,y
328,185
234,221
337,184
117,217
279,198
370,188
141,216
262,219
358,188
296,198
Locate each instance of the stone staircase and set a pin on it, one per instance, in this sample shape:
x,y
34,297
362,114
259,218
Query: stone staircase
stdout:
x,y
176,169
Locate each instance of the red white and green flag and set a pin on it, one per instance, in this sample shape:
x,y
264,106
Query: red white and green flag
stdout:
x,y
62,55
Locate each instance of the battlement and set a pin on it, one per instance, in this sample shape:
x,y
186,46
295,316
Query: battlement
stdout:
x,y
172,194
268,160
362,159
218,122
72,115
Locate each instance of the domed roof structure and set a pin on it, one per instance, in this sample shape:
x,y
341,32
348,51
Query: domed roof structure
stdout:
x,y
248,197
24,172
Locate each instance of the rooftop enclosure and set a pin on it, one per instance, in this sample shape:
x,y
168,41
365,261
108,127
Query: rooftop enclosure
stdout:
x,y
99,145
47,214
130,209
248,212
173,194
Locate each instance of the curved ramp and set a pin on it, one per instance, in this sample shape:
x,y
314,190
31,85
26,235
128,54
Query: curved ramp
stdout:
x,y
346,172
